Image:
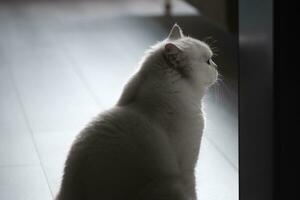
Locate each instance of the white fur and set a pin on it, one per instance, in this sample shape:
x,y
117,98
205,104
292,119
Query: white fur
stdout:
x,y
146,147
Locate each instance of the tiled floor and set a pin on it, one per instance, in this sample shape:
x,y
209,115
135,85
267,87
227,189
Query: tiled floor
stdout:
x,y
58,68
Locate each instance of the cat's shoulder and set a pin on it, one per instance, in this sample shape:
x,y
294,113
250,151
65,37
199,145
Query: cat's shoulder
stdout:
x,y
119,119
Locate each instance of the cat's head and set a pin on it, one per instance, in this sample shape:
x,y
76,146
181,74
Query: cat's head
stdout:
x,y
192,58
176,65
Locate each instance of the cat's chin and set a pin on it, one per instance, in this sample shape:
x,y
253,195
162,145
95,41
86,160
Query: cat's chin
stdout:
x,y
214,78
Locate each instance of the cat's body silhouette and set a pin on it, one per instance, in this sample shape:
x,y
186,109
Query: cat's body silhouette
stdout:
x,y
147,146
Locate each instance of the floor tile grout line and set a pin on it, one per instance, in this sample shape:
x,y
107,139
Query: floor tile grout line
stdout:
x,y
80,75
78,72
221,152
25,116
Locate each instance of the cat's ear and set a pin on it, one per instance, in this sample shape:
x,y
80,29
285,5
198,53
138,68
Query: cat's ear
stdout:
x,y
172,49
175,32
173,54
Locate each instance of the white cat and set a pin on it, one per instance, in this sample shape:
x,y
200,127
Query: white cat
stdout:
x,y
146,147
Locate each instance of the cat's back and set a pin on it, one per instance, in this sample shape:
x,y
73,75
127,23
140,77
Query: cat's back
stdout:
x,y
115,156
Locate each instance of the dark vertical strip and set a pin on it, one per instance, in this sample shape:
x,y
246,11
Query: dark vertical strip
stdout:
x,y
232,13
256,134
287,101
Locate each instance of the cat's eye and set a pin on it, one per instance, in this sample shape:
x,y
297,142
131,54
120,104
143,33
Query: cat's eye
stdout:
x,y
209,61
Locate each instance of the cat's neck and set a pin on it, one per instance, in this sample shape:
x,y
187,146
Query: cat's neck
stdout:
x,y
175,113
